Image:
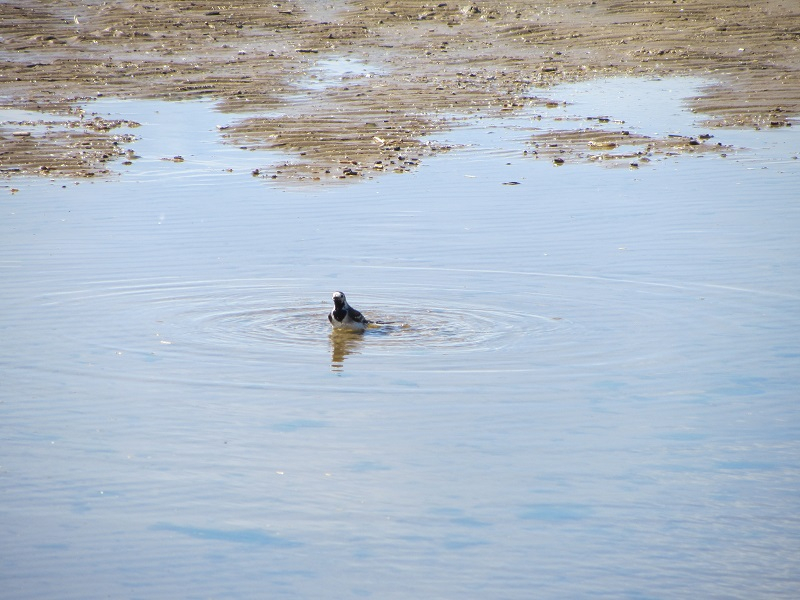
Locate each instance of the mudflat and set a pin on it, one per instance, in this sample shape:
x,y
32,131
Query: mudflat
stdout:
x,y
420,65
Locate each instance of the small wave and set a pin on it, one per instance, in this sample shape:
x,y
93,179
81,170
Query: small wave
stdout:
x,y
395,328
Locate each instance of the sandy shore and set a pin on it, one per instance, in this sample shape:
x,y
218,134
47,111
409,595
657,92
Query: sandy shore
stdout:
x,y
422,64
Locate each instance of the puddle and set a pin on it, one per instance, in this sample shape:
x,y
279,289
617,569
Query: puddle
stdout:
x,y
154,138
588,348
324,10
190,131
651,107
623,121
330,72
617,122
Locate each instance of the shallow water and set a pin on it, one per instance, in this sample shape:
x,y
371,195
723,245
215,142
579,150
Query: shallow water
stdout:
x,y
587,385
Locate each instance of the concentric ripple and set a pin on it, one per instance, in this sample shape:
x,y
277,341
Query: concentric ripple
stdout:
x,y
275,331
287,324
236,324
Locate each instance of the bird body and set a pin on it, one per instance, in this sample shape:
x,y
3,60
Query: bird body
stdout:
x,y
344,316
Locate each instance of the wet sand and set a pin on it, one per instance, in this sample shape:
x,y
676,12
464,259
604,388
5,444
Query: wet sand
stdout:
x,y
424,65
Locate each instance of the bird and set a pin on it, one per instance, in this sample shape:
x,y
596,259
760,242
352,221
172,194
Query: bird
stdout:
x,y
344,316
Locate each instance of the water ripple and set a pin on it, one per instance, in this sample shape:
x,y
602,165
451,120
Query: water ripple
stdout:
x,y
395,328
253,331
236,325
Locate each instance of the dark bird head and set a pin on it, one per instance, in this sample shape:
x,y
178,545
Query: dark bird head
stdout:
x,y
339,301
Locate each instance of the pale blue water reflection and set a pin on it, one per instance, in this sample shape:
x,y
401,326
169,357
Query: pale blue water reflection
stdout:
x,y
595,396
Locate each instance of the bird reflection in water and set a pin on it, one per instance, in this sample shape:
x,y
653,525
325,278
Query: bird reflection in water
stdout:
x,y
344,343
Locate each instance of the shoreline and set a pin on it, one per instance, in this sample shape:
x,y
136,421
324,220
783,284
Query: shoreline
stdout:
x,y
417,64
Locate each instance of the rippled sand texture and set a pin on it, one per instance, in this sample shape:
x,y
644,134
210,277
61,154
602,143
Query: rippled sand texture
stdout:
x,y
426,64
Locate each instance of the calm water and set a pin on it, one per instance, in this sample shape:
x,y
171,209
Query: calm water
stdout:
x,y
588,389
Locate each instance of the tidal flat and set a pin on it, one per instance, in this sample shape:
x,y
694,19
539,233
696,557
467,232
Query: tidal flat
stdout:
x,y
584,375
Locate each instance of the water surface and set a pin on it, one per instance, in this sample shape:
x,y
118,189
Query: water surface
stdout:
x,y
588,390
